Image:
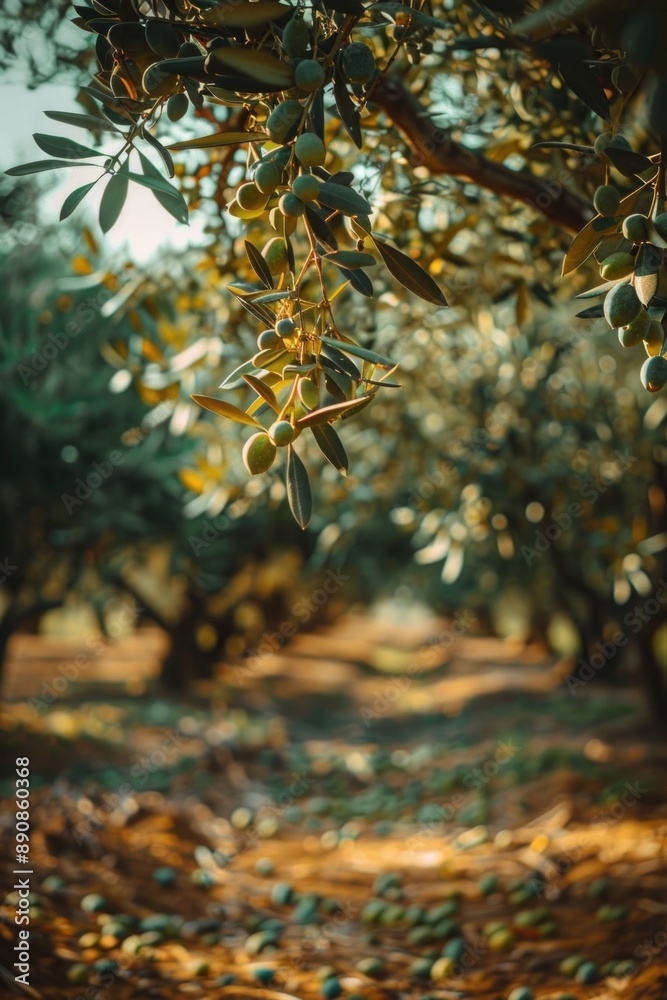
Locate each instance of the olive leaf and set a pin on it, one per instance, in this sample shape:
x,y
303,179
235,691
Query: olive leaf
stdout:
x,y
74,199
39,166
82,121
321,228
258,264
584,84
162,151
113,199
67,149
235,379
273,361
626,161
298,489
359,352
245,15
359,281
586,242
593,312
347,109
257,64
262,296
350,259
331,447
165,193
392,8
217,139
331,412
343,363
592,293
223,409
263,390
260,312
410,274
343,199
354,7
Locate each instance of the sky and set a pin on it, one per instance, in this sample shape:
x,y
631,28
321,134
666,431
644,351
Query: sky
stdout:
x,y
144,227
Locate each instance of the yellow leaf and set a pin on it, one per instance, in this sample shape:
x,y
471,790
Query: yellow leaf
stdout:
x,y
192,480
81,265
223,409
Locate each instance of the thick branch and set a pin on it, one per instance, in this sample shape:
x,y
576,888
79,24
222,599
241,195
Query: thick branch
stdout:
x,y
433,149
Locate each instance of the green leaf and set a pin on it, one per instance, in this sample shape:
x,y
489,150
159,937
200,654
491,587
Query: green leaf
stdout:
x,y
270,296
410,274
327,413
347,109
274,360
331,447
584,243
165,193
392,8
218,139
245,15
342,361
260,312
359,352
626,161
592,293
110,102
576,147
320,228
350,259
354,7
257,64
298,489
235,379
338,383
74,199
39,166
343,199
67,149
263,390
82,121
223,409
584,84
258,264
359,281
113,200
161,150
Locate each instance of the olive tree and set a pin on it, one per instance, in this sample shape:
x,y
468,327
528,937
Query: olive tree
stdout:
x,y
320,117
345,153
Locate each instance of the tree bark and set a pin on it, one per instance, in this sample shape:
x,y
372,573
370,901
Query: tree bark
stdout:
x,y
434,149
654,677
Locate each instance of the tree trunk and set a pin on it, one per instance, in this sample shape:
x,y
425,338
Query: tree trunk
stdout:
x,y
7,628
652,674
440,154
184,663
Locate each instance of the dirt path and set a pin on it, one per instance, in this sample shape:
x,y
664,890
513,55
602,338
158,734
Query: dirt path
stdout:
x,y
353,826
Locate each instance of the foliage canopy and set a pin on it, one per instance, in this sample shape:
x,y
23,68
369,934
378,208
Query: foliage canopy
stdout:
x,y
291,93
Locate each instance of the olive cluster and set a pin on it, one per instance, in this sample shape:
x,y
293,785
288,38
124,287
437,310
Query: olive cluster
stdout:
x,y
260,450
624,309
291,165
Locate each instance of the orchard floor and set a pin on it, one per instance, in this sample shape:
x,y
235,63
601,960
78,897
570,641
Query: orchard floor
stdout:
x,y
359,816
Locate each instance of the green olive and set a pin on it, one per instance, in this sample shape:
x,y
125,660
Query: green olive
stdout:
x,y
621,305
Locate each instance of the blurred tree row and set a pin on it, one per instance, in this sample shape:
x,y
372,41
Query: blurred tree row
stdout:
x,y
96,472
